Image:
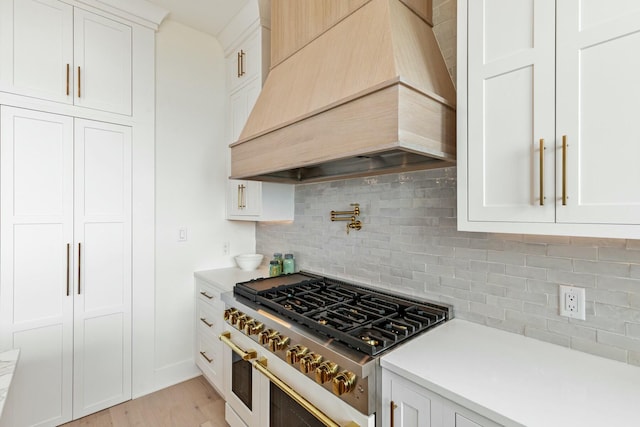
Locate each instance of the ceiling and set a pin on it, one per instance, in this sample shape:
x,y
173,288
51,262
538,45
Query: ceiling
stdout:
x,y
208,16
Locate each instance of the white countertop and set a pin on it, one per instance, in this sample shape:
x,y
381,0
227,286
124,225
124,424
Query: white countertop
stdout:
x,y
225,278
515,380
8,362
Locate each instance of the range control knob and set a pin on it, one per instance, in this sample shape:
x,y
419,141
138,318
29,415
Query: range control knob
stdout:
x,y
252,327
241,318
310,362
242,321
233,317
326,371
266,335
343,382
278,343
226,315
296,353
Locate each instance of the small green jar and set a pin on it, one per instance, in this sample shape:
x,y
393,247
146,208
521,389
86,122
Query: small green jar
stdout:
x,y
274,268
289,265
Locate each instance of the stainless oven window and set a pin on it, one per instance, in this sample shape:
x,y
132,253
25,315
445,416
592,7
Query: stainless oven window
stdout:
x,y
286,412
241,379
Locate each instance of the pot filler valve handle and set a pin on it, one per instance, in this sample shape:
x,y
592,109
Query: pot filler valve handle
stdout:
x,y
350,216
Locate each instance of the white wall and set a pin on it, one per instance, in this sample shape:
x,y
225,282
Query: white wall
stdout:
x,y
190,188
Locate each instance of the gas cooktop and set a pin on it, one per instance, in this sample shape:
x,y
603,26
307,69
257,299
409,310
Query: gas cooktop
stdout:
x,y
365,319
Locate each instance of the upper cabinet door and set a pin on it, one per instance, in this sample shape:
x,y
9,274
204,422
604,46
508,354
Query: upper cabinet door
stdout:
x,y
597,110
102,72
510,110
36,48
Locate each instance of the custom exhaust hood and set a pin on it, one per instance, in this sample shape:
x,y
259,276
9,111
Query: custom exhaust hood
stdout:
x,y
370,95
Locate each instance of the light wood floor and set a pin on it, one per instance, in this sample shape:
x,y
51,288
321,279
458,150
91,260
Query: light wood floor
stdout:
x,y
193,403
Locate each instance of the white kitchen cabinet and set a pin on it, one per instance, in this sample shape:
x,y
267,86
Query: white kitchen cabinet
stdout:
x,y
532,80
247,67
407,404
54,51
65,282
209,310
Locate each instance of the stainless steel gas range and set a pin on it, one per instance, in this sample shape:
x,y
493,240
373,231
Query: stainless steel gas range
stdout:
x,y
304,350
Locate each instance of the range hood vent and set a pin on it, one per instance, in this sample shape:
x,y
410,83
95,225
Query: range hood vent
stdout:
x,y
369,96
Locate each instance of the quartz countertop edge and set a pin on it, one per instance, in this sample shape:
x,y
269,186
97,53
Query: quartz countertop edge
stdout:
x,y
8,363
516,380
225,278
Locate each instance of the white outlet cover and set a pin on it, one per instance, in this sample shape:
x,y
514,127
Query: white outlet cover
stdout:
x,y
572,302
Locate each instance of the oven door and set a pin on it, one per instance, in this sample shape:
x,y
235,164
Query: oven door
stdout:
x,y
264,391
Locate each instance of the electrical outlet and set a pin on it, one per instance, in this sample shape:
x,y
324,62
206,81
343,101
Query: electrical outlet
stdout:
x,y
225,248
572,302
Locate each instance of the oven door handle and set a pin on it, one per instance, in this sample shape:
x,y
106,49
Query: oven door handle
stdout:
x,y
225,337
261,366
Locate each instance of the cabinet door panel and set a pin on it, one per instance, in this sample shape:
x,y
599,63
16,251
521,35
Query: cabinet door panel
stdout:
x,y
103,53
36,44
35,312
103,229
598,112
510,108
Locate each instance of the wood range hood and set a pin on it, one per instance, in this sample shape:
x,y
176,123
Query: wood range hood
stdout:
x,y
368,96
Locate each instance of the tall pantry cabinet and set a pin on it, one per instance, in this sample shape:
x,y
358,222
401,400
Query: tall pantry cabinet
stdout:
x,y
76,138
547,138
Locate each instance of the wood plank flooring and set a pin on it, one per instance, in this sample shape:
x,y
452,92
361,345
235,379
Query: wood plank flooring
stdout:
x,y
193,403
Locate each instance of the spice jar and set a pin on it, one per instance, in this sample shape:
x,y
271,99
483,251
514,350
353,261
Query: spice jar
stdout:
x,y
288,264
278,257
274,268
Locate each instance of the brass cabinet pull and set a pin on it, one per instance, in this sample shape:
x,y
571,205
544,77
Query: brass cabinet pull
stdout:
x,y
205,356
79,265
206,295
79,82
542,171
242,197
564,170
238,67
68,267
393,408
204,320
68,79
225,337
242,53
261,366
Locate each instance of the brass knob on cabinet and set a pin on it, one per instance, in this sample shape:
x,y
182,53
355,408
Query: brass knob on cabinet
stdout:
x,y
253,327
310,362
242,322
296,353
326,371
226,315
265,336
278,343
343,383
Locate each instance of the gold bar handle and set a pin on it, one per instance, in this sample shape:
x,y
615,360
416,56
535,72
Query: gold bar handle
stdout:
x,y
79,84
393,408
79,265
239,197
261,366
68,267
206,295
68,72
242,53
243,197
206,357
225,337
542,171
564,170
238,68
204,320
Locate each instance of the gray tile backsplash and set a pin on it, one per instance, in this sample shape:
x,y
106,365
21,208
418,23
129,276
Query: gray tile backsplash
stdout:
x,y
409,244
